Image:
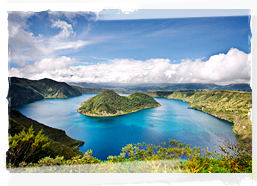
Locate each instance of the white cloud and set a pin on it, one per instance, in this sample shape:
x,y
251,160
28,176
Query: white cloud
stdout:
x,y
25,46
68,45
48,67
233,67
66,29
71,16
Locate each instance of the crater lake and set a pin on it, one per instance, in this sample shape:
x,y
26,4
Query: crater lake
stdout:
x,y
107,135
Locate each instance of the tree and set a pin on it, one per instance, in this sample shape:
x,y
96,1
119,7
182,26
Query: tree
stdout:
x,y
24,146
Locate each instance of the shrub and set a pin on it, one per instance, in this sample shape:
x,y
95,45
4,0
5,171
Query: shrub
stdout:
x,y
25,146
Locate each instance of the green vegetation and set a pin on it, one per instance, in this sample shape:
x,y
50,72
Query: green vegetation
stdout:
x,y
34,145
137,158
23,91
161,94
233,106
25,147
87,90
109,103
60,143
153,87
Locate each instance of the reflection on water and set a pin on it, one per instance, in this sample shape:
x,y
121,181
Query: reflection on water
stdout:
x,y
107,135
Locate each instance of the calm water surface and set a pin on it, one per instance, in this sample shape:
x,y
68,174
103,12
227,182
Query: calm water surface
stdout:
x,y
107,135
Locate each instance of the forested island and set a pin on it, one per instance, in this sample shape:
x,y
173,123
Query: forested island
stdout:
x,y
33,144
109,103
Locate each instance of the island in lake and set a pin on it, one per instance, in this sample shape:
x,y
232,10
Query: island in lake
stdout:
x,y
109,103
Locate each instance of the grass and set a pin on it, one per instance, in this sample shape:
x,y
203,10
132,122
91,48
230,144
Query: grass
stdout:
x,y
233,106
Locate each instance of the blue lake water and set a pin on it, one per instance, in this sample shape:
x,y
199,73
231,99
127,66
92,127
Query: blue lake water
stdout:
x,y
107,135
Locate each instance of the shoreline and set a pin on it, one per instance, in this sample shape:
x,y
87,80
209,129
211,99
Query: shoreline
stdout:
x,y
112,115
238,136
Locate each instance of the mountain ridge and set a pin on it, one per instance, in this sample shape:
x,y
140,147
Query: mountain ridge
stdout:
x,y
23,91
149,87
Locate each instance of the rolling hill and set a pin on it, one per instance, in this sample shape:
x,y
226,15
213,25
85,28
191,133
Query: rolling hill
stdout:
x,y
23,91
109,103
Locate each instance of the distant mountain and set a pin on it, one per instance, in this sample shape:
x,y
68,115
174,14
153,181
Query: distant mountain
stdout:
x,y
186,86
109,103
23,91
150,87
93,85
61,144
88,90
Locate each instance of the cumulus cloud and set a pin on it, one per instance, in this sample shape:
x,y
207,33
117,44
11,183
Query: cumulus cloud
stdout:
x,y
233,67
48,67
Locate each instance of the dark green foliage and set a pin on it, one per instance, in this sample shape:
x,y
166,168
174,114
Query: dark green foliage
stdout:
x,y
141,151
18,95
87,90
53,133
25,146
61,144
108,103
23,91
172,157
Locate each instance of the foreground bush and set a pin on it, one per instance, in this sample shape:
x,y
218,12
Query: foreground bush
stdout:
x,y
148,158
26,146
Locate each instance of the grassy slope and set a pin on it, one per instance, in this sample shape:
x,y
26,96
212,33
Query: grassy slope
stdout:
x,y
23,91
87,90
109,103
232,106
61,144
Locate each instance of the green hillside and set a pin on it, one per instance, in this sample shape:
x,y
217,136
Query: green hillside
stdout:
x,y
233,106
23,91
109,103
87,90
61,144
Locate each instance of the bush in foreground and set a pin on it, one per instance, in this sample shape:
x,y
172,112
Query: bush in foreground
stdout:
x,y
141,157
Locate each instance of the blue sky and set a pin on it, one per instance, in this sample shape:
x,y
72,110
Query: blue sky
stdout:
x,y
144,46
